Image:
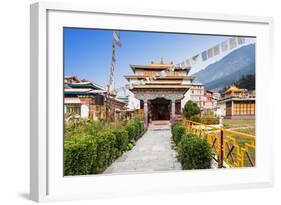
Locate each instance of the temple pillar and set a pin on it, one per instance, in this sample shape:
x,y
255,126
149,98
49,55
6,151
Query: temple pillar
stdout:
x,y
145,110
173,116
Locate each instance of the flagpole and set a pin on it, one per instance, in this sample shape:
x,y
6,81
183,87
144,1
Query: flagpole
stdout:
x,y
108,103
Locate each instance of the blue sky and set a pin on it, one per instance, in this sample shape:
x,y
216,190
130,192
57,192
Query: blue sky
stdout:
x,y
87,52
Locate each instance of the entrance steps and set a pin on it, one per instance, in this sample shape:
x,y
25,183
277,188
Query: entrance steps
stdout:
x,y
160,125
161,122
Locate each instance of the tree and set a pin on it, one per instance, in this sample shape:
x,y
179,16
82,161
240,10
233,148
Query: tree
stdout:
x,y
247,82
190,109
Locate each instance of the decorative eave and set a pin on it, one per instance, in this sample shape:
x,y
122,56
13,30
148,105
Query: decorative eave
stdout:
x,y
82,91
86,85
160,77
161,87
164,82
224,100
117,100
156,67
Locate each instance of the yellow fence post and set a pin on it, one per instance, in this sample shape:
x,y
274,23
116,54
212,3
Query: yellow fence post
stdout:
x,y
221,148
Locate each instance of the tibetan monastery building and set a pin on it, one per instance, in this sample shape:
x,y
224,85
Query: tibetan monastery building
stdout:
x,y
161,97
237,103
88,100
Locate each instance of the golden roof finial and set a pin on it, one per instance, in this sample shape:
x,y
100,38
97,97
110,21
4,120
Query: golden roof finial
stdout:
x,y
161,62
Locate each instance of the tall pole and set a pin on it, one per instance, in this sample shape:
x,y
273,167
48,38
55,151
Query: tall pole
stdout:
x,y
110,86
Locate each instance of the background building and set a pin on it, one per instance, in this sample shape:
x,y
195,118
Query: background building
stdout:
x,y
86,99
237,103
196,94
210,101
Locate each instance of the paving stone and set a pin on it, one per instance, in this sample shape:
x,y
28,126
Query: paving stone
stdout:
x,y
152,152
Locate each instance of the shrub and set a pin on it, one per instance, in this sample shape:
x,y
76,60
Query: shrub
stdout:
x,y
140,127
131,129
194,153
195,118
122,139
205,119
90,146
190,109
105,150
80,155
177,132
135,129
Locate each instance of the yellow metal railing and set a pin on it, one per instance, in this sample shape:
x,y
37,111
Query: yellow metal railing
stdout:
x,y
230,148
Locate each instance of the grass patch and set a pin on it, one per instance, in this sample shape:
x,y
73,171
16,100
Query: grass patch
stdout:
x,y
236,123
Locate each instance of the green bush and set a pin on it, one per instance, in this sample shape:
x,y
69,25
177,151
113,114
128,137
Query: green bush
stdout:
x,y
122,139
105,150
135,130
194,153
131,129
190,109
177,132
90,146
207,119
80,155
140,126
195,118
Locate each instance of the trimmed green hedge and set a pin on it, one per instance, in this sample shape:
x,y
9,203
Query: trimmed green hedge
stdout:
x,y
122,139
193,152
105,150
80,154
207,119
177,132
90,147
135,130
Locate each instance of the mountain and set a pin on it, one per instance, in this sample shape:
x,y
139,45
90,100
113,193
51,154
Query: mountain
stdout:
x,y
229,69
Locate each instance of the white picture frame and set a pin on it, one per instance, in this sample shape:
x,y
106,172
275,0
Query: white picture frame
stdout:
x,y
46,177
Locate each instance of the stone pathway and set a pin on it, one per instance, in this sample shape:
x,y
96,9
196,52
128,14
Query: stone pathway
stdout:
x,y
152,152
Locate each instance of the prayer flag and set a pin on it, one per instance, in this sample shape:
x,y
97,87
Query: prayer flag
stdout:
x,y
241,40
113,59
204,55
232,42
194,58
216,50
210,52
116,38
224,46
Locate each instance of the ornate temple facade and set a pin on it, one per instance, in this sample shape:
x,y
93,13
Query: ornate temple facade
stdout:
x,y
238,103
160,97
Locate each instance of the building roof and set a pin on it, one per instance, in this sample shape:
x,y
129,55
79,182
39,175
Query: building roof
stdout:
x,y
208,91
86,84
159,77
161,86
164,82
223,100
72,77
81,91
234,89
158,66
